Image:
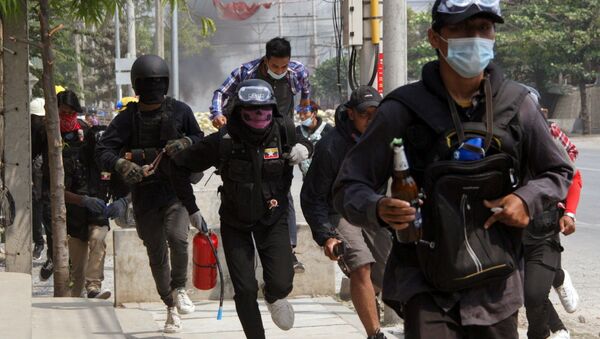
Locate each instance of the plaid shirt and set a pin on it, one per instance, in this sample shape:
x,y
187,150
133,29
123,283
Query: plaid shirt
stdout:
x,y
572,200
297,75
559,135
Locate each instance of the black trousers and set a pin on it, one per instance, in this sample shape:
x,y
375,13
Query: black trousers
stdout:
x,y
165,231
542,261
47,221
37,209
273,247
424,319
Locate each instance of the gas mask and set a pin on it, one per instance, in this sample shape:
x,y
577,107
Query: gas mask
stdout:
x,y
257,118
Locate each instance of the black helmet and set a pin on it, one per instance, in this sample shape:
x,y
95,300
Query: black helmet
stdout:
x,y
255,92
149,66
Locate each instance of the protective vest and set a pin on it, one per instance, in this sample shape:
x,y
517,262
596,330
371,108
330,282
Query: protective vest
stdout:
x,y
76,171
253,179
102,183
151,131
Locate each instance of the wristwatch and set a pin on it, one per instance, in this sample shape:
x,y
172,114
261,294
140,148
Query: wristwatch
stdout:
x,y
570,214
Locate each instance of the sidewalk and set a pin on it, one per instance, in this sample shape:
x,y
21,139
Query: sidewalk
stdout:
x,y
315,318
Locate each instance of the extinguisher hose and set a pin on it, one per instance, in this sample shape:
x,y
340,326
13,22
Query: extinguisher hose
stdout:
x,y
222,293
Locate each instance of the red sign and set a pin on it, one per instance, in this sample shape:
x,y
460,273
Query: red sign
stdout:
x,y
380,74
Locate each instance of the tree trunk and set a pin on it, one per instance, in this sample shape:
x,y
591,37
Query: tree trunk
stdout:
x,y
79,67
584,113
1,90
57,187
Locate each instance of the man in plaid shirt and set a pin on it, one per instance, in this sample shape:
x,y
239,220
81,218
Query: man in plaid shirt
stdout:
x,y
287,77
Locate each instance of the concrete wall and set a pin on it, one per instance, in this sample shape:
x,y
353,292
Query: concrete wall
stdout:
x,y
134,283
568,107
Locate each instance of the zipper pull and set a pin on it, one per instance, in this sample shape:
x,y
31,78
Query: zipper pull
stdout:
x,y
430,244
513,180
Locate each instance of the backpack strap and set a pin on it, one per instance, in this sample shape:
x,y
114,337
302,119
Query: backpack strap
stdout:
x,y
489,120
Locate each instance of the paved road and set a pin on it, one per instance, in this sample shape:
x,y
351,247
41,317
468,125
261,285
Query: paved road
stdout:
x,y
582,249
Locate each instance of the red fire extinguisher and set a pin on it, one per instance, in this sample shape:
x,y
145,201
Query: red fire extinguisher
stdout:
x,y
206,263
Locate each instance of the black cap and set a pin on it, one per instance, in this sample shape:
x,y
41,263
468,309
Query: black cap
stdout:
x,y
439,19
364,97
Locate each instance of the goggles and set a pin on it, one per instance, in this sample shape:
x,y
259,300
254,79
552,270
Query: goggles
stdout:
x,y
254,93
459,6
304,109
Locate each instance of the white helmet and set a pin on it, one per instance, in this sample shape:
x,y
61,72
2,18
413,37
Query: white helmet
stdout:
x,y
37,107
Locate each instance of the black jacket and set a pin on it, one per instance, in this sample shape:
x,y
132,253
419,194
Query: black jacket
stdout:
x,y
118,136
243,199
369,165
316,198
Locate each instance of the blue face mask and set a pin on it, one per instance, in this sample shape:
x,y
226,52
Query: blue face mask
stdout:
x,y
307,122
469,56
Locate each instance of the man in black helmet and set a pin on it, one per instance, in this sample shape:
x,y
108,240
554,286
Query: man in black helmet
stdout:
x,y
462,276
133,145
254,154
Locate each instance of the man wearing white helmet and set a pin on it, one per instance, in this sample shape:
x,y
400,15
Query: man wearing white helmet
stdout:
x,y
36,108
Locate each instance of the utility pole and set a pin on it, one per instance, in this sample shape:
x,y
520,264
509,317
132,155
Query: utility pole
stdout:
x,y
118,48
159,35
131,50
175,54
314,39
394,69
371,38
394,44
15,153
279,15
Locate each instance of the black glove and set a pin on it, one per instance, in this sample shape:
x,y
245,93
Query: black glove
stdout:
x,y
117,209
198,222
132,173
93,205
177,145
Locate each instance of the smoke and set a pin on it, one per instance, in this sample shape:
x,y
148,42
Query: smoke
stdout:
x,y
233,43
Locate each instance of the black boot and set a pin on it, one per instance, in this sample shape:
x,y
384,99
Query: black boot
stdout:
x,y
379,335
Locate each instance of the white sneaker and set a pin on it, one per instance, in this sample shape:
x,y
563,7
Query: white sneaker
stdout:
x,y
560,334
567,294
282,313
182,301
173,323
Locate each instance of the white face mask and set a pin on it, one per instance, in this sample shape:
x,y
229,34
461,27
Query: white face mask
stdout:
x,y
275,75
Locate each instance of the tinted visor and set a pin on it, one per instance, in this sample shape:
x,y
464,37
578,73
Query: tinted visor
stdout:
x,y
459,6
256,94
455,11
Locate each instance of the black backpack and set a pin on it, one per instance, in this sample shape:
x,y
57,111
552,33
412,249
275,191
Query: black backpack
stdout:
x,y
455,251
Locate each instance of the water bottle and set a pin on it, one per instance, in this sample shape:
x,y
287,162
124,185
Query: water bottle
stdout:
x,y
464,154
